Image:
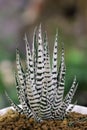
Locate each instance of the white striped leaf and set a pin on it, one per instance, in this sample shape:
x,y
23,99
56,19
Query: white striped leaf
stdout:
x,y
21,79
47,68
40,64
67,100
54,64
60,84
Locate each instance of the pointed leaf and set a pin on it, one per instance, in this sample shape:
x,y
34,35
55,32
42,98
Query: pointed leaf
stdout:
x,y
40,64
61,82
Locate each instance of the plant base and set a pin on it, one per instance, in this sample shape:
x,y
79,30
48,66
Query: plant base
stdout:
x,y
11,120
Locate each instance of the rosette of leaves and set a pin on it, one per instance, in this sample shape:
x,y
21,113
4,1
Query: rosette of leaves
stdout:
x,y
40,88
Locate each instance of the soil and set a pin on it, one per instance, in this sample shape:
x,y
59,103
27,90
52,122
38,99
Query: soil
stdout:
x,y
14,121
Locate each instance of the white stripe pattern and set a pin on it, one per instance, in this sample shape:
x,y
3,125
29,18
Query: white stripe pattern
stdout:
x,y
40,88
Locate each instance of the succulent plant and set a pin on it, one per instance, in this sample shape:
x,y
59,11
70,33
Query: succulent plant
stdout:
x,y
40,88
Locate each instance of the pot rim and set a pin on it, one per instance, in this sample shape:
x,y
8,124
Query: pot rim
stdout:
x,y
77,108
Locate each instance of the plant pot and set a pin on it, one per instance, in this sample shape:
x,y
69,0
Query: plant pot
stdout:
x,y
9,119
77,108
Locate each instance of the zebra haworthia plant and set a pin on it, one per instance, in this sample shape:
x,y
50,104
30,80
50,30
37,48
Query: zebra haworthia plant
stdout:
x,y
40,88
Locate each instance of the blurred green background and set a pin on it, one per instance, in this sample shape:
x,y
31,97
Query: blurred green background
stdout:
x,y
20,17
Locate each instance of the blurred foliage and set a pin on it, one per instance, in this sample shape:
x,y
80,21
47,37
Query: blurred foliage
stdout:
x,y
5,51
